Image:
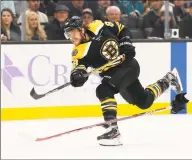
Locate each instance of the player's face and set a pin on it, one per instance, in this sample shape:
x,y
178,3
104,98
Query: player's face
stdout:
x,y
76,37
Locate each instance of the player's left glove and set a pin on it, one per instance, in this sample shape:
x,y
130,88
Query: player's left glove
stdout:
x,y
78,78
178,103
126,47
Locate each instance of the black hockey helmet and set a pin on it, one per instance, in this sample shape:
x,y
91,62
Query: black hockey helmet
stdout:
x,y
74,22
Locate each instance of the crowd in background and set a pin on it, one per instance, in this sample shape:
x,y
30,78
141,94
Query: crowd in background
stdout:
x,y
44,19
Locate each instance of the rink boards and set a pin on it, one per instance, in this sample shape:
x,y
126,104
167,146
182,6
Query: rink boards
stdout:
x,y
46,66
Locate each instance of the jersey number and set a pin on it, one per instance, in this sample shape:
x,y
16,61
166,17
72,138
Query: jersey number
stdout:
x,y
110,24
110,50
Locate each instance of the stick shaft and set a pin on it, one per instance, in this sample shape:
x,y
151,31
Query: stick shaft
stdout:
x,y
100,124
100,69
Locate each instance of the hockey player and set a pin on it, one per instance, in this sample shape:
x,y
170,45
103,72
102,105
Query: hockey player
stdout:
x,y
98,44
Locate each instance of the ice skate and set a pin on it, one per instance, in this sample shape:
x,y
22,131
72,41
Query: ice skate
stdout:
x,y
111,137
175,81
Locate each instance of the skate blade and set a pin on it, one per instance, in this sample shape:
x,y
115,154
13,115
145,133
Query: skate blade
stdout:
x,y
176,73
110,142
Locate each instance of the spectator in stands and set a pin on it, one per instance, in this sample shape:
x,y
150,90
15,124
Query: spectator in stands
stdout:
x,y
62,2
150,19
34,31
129,7
8,4
100,13
171,6
159,25
76,7
42,7
113,14
9,30
179,10
55,29
3,35
87,16
50,7
20,7
186,25
146,7
34,6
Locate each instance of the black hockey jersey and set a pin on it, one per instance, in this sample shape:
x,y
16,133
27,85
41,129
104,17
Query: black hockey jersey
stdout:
x,y
103,47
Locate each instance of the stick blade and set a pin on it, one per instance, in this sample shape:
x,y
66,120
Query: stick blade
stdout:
x,y
26,136
35,95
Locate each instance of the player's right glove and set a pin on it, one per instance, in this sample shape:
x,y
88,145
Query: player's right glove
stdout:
x,y
78,78
178,103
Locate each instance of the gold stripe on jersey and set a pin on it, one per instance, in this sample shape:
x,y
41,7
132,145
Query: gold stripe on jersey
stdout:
x,y
120,27
95,26
80,51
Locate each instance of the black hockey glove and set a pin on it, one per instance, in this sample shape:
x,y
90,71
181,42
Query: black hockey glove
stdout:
x,y
126,47
78,78
178,103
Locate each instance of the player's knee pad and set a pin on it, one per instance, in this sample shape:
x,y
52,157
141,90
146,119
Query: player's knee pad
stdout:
x,y
147,101
104,91
100,92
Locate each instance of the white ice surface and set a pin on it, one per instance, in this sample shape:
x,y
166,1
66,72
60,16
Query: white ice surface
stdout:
x,y
144,137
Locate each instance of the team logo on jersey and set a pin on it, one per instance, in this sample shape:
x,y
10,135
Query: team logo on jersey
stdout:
x,y
110,49
74,52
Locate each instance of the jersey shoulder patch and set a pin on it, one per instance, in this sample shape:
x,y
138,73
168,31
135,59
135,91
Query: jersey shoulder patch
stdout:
x,y
95,26
80,51
74,52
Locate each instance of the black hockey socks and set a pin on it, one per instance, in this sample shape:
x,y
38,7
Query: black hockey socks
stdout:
x,y
109,109
158,88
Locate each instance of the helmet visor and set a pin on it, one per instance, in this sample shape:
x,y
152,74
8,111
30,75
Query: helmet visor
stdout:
x,y
67,32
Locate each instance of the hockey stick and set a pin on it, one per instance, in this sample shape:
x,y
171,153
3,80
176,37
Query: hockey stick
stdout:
x,y
100,124
36,96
